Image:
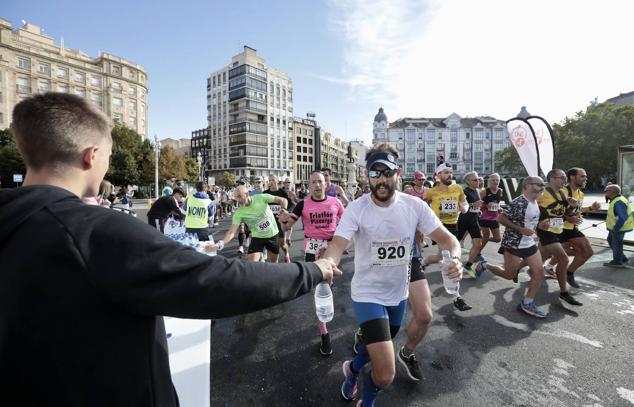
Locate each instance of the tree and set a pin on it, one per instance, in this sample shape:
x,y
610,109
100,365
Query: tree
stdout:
x,y
191,170
508,163
146,163
127,151
10,159
171,165
226,180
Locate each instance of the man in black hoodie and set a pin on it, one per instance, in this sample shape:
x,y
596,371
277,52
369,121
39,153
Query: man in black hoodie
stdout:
x,y
74,330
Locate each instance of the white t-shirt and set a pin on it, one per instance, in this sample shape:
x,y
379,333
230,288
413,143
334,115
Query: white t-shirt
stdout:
x,y
383,240
531,218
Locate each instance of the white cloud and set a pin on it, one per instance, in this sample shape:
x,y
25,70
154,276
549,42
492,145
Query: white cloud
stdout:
x,y
428,58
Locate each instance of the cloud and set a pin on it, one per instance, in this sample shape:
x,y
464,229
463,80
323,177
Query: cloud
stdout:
x,y
431,58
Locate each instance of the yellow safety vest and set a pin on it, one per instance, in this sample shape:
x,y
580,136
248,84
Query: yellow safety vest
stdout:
x,y
611,219
197,213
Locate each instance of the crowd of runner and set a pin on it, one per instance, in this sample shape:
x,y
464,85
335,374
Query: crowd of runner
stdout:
x,y
389,229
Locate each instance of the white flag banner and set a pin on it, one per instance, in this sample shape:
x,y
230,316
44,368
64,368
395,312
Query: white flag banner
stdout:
x,y
523,140
545,143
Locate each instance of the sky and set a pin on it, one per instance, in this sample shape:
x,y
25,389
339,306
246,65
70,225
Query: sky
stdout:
x,y
347,58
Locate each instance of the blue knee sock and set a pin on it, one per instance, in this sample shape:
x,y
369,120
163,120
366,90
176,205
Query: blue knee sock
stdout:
x,y
362,358
370,390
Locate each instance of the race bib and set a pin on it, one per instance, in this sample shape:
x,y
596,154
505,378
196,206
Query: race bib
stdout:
x,y
493,206
449,206
263,225
275,209
556,223
387,253
312,246
473,209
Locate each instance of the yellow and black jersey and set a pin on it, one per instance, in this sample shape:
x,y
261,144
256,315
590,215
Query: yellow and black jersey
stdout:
x,y
552,206
576,210
446,203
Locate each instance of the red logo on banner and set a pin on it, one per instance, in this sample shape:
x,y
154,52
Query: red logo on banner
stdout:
x,y
541,137
518,136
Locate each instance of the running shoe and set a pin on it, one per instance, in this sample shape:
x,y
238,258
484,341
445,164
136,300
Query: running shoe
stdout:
x,y
287,259
549,270
614,264
325,349
358,341
349,387
479,258
411,365
568,301
472,272
480,267
531,309
461,305
241,250
571,280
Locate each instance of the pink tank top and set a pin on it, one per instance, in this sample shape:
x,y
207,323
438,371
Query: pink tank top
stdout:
x,y
415,193
320,219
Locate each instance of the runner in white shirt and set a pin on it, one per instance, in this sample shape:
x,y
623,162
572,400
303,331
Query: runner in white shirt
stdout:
x,y
383,226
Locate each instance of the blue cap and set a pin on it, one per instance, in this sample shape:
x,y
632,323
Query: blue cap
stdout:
x,y
381,157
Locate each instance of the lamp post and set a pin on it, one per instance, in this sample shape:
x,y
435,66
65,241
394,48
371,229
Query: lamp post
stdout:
x,y
157,151
199,158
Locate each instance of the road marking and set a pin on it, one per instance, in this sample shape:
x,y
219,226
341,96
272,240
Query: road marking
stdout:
x,y
503,321
559,333
626,394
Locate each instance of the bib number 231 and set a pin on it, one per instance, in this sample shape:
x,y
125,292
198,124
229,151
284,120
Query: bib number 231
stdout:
x,y
390,253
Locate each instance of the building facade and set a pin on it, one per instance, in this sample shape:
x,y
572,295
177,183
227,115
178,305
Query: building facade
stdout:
x,y
31,63
623,99
250,118
306,138
333,154
181,146
467,143
200,143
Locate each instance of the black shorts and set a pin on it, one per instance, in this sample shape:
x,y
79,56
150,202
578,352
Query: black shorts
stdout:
x,y
258,244
453,229
203,234
416,270
491,224
546,237
470,225
309,257
568,234
521,253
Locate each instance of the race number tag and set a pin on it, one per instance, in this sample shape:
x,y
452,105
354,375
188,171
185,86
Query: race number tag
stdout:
x,y
473,209
556,223
449,206
263,225
493,206
386,253
275,209
312,246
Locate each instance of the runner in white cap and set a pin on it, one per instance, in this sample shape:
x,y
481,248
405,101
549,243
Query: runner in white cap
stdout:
x,y
382,226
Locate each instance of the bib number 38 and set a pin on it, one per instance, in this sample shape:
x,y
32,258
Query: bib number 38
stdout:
x,y
387,253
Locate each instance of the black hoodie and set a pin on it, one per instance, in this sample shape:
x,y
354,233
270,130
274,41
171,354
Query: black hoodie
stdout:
x,y
82,291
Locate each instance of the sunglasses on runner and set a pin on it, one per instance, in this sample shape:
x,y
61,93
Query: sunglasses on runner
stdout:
x,y
387,173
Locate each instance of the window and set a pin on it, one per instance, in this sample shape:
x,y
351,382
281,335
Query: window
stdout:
x,y
95,80
118,102
142,109
132,91
44,68
142,93
43,86
117,117
24,63
453,156
62,87
116,70
96,99
132,121
23,85
80,77
62,72
131,74
132,107
117,87
80,92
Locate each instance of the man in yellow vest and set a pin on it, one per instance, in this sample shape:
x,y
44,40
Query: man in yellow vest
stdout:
x,y
619,221
199,210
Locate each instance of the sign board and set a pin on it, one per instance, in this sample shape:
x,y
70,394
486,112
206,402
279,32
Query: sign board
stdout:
x,y
17,178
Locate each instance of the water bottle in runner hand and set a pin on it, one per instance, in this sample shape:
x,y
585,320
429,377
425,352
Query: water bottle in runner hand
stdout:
x,y
451,286
324,303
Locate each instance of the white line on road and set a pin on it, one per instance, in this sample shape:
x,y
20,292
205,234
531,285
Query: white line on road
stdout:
x,y
626,394
559,333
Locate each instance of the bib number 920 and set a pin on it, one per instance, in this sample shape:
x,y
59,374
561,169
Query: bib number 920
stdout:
x,y
390,252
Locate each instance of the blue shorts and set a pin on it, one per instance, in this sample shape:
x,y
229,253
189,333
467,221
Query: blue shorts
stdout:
x,y
378,322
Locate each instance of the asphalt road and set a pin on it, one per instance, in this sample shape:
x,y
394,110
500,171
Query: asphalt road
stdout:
x,y
489,356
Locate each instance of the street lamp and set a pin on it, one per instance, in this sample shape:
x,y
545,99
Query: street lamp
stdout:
x,y
157,151
199,158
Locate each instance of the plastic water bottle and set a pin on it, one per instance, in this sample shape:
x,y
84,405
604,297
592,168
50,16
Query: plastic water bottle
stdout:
x,y
211,241
323,302
451,286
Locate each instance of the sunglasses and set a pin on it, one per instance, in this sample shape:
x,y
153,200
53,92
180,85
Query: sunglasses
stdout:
x,y
541,184
387,173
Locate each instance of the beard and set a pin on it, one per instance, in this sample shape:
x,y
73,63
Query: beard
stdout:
x,y
390,191
447,181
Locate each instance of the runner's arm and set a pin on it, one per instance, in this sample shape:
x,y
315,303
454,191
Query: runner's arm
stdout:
x,y
289,219
336,248
342,196
447,241
281,201
229,235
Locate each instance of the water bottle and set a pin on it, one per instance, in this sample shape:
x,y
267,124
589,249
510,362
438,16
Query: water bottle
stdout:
x,y
211,241
451,286
323,302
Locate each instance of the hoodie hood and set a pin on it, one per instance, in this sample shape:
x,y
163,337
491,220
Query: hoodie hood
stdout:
x,y
19,204
201,195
